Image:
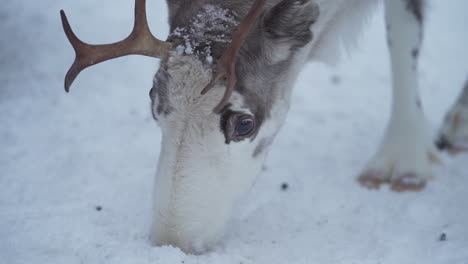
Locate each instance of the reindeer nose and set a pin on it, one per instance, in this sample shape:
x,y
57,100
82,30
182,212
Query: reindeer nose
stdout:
x,y
442,143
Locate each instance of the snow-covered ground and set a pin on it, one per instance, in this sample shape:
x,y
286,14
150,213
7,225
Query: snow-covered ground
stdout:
x,y
76,169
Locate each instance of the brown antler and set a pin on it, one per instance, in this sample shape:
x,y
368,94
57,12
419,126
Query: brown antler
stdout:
x,y
140,42
227,63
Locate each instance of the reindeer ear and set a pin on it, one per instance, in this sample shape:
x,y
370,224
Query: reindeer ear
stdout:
x,y
290,22
283,28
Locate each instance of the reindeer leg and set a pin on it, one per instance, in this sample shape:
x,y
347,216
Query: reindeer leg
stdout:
x,y
453,134
405,154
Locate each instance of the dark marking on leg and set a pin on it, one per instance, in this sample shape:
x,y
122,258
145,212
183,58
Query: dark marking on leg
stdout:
x,y
389,41
416,7
415,53
418,103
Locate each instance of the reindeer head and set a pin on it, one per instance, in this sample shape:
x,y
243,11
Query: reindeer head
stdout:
x,y
219,98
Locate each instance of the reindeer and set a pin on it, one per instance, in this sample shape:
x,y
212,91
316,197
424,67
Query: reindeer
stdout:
x,y
224,87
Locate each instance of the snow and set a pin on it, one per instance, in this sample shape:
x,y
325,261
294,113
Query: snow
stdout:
x,y
64,155
211,19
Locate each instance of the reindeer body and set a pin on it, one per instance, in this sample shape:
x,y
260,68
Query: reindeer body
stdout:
x,y
209,159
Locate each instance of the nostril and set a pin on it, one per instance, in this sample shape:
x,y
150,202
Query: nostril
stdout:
x,y
442,143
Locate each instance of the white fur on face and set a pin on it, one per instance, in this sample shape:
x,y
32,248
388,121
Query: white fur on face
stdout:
x,y
199,176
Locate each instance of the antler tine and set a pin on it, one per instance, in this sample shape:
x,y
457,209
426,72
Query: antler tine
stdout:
x,y
77,45
74,40
139,42
141,22
227,63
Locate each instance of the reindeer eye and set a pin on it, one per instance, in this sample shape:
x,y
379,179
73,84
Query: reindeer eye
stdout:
x,y
244,125
237,126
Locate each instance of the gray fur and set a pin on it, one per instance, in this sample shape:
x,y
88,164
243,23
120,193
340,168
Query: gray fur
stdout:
x,y
159,93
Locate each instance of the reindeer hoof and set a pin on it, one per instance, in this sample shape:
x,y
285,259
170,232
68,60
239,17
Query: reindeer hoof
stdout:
x,y
403,172
408,182
371,179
